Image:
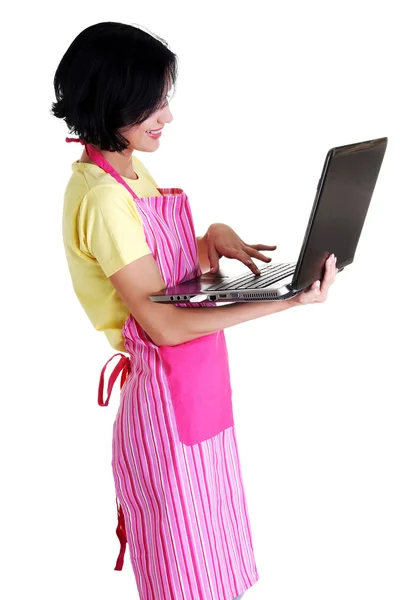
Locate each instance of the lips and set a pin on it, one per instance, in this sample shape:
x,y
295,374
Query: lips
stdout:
x,y
154,130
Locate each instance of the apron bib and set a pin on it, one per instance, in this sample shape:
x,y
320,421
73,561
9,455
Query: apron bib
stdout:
x,y
197,371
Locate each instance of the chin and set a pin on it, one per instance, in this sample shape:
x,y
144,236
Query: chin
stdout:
x,y
147,149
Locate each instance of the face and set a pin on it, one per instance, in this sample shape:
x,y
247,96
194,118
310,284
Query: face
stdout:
x,y
138,136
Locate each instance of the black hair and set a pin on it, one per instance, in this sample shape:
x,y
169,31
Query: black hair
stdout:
x,y
112,76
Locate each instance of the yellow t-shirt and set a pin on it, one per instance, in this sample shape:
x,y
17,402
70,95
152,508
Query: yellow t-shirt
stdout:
x,y
102,232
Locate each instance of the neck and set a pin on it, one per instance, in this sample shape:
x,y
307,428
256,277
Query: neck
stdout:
x,y
120,161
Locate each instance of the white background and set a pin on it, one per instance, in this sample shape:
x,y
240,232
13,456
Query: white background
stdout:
x,y
264,90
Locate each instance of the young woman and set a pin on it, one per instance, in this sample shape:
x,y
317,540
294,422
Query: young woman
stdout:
x,y
180,496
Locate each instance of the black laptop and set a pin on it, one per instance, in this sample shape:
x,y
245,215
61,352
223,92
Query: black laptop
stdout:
x,y
344,193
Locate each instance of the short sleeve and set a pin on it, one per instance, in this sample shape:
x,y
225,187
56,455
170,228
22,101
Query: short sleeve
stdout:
x,y
110,229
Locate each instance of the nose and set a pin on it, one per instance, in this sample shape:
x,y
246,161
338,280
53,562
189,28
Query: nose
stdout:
x,y
166,115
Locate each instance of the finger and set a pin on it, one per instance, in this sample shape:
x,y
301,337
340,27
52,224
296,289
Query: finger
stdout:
x,y
213,258
312,294
255,254
261,247
329,275
316,289
245,258
319,294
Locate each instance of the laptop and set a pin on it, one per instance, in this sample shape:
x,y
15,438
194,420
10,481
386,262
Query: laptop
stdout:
x,y
343,196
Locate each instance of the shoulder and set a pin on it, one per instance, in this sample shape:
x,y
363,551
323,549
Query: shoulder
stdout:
x,y
109,198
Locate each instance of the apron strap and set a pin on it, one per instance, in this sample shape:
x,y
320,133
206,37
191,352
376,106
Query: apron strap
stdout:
x,y
101,162
123,363
124,366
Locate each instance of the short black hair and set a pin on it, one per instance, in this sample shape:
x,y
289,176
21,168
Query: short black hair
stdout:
x,y
112,76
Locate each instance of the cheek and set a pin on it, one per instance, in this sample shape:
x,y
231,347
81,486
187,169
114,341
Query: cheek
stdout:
x,y
141,132
138,137
135,133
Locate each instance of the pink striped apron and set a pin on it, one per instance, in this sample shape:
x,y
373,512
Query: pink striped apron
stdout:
x,y
180,497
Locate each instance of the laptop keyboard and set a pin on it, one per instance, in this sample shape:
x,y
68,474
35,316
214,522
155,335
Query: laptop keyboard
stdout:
x,y
269,274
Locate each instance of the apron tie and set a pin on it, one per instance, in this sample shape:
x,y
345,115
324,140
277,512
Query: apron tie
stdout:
x,y
68,139
121,533
123,366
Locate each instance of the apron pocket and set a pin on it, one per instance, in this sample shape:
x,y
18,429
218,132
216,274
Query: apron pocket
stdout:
x,y
199,380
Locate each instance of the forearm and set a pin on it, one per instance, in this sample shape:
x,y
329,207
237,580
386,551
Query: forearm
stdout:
x,y
190,323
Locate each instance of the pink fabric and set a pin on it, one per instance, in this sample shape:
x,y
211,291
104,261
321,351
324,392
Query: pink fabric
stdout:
x,y
199,382
175,458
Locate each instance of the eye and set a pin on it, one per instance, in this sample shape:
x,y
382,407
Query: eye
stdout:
x,y
167,98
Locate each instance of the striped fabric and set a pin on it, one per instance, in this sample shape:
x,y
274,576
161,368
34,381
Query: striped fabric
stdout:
x,y
183,508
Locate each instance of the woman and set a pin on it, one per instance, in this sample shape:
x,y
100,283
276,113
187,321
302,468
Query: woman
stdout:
x,y
180,496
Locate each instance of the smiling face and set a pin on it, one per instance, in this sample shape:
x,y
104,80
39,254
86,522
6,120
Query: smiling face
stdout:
x,y
138,136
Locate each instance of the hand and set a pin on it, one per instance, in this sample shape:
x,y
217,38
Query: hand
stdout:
x,y
223,241
318,292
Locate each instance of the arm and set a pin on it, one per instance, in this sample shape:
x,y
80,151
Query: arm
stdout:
x,y
112,233
167,324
